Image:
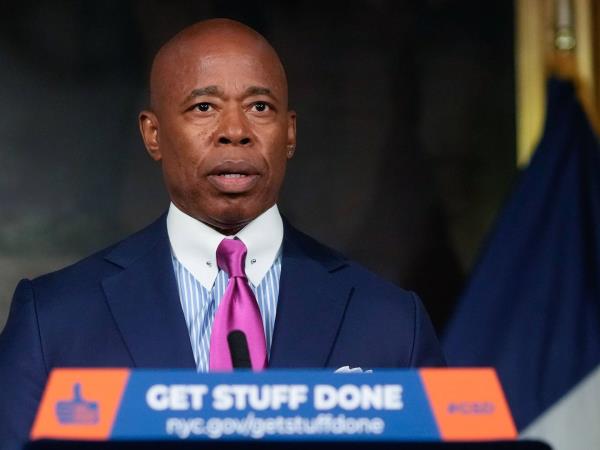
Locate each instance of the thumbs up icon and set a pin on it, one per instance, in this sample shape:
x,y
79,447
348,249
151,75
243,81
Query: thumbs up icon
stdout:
x,y
77,411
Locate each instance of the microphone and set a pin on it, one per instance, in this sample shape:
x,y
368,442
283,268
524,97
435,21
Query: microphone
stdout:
x,y
238,347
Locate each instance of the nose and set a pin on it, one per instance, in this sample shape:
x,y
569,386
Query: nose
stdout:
x,y
233,129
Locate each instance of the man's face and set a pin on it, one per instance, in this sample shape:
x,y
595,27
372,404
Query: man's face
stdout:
x,y
222,130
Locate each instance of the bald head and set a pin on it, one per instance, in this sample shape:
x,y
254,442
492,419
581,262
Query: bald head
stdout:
x,y
199,44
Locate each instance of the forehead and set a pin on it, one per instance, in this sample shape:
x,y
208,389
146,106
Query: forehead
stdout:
x,y
230,65
228,68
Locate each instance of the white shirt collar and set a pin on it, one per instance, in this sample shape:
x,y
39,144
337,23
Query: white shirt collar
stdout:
x,y
194,244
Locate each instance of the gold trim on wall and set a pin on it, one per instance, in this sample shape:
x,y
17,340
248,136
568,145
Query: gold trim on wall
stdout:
x,y
530,74
536,57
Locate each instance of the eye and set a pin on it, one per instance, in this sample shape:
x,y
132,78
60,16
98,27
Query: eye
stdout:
x,y
202,107
261,107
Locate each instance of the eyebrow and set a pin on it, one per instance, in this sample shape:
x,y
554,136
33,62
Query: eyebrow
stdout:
x,y
258,90
199,92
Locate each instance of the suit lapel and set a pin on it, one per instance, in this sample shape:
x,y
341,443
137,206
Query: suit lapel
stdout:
x,y
311,305
144,301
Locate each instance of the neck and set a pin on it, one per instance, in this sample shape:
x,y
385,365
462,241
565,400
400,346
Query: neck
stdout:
x,y
229,231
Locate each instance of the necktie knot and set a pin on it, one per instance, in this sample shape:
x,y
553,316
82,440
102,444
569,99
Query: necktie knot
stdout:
x,y
231,257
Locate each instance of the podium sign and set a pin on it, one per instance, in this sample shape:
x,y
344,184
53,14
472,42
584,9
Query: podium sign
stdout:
x,y
386,405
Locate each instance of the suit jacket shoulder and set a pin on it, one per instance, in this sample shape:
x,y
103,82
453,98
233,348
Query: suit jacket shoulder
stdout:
x,y
334,312
104,262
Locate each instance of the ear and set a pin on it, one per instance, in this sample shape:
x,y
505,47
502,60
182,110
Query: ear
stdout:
x,y
148,123
291,134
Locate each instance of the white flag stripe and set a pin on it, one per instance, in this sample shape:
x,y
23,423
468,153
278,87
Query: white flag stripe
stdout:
x,y
572,423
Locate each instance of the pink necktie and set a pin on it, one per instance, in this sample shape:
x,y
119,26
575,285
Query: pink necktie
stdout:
x,y
238,311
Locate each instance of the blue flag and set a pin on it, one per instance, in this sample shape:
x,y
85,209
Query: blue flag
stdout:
x,y
532,306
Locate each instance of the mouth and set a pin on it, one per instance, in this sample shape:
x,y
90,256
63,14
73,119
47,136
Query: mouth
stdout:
x,y
234,177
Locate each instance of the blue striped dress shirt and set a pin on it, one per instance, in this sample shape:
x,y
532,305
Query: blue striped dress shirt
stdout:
x,y
201,284
200,305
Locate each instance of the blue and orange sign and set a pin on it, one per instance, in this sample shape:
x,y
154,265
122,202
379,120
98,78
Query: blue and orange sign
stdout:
x,y
80,404
403,405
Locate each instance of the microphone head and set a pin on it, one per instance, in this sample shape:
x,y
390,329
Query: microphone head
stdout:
x,y
238,348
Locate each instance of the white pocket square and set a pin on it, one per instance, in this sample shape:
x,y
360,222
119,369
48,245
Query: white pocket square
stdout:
x,y
347,369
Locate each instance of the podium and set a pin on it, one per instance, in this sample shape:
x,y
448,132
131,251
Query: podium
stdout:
x,y
179,409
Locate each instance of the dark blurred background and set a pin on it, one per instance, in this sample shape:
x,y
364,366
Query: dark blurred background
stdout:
x,y
406,117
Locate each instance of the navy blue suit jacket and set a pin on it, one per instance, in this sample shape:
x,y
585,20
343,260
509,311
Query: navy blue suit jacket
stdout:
x,y
120,308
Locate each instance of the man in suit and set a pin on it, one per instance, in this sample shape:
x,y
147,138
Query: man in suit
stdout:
x,y
220,127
